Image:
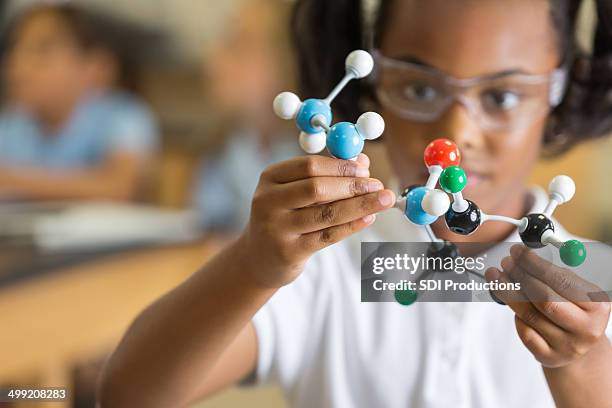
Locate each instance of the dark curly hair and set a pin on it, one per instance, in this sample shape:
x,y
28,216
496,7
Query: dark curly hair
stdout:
x,y
325,31
94,30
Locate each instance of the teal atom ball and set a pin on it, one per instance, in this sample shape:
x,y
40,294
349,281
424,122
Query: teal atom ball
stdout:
x,y
344,141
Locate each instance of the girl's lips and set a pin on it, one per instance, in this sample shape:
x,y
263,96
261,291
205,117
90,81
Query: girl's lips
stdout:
x,y
475,179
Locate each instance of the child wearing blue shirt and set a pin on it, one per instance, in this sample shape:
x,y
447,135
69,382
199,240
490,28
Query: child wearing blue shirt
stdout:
x,y
68,132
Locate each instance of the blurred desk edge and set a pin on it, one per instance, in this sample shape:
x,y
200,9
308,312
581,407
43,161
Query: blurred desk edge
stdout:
x,y
50,323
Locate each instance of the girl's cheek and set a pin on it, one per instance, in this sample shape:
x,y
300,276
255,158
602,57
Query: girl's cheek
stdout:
x,y
515,160
521,147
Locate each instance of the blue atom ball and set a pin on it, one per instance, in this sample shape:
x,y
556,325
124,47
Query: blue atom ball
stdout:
x,y
343,141
310,108
414,210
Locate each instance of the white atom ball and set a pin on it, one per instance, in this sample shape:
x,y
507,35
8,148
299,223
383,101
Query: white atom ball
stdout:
x,y
360,63
370,125
313,143
563,186
287,105
435,203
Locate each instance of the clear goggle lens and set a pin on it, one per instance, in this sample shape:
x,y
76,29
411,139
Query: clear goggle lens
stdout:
x,y
508,101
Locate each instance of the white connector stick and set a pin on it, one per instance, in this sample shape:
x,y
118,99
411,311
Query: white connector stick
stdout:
x,y
434,176
400,204
561,189
432,236
549,237
522,223
336,91
320,121
359,64
459,203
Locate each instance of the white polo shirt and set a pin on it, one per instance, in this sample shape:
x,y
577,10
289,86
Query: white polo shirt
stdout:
x,y
328,349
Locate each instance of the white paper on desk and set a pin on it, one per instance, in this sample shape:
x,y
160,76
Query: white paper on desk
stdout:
x,y
97,226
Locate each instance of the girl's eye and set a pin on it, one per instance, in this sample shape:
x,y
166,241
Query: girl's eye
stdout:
x,y
420,92
501,100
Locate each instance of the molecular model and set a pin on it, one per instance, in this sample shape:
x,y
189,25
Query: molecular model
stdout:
x,y
423,205
314,116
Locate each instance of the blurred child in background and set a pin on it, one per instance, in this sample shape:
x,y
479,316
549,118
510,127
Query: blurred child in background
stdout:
x,y
71,130
247,65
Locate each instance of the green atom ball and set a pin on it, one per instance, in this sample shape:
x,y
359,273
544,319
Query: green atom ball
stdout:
x,y
453,179
573,253
406,297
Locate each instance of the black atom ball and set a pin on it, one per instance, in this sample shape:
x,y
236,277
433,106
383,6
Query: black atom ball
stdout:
x,y
536,225
466,222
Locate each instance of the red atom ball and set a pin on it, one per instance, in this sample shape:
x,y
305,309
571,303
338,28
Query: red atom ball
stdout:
x,y
442,152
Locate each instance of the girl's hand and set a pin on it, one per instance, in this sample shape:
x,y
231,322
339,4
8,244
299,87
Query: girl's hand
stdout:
x,y
559,317
303,205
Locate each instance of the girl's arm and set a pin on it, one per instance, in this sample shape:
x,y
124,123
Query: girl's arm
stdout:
x,y
177,350
116,179
198,338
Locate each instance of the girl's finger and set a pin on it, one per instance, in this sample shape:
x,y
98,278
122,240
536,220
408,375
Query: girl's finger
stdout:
x,y
318,190
304,167
318,240
324,216
534,342
364,160
562,280
556,308
526,311
505,296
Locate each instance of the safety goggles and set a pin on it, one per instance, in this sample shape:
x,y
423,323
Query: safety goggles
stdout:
x,y
507,101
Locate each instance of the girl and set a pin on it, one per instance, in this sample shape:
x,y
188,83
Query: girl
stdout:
x,y
71,131
276,306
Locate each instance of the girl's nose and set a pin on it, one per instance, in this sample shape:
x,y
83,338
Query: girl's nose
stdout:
x,y
458,125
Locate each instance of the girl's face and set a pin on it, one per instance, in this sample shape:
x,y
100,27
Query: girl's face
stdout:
x,y
466,39
46,68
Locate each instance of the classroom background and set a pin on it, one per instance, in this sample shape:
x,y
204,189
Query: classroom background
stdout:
x,y
196,127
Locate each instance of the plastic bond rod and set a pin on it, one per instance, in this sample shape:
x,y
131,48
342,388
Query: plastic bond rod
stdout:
x,y
400,204
502,218
319,120
434,176
549,237
561,189
336,91
551,206
431,234
459,203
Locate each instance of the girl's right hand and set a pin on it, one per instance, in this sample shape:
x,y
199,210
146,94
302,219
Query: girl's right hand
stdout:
x,y
303,205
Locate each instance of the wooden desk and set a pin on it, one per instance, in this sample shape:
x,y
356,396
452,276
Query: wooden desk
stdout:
x,y
48,325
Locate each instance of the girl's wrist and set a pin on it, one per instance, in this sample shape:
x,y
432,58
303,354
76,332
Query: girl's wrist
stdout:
x,y
601,351
585,381
258,269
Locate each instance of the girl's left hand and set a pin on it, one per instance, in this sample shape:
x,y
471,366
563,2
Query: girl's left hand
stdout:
x,y
559,317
